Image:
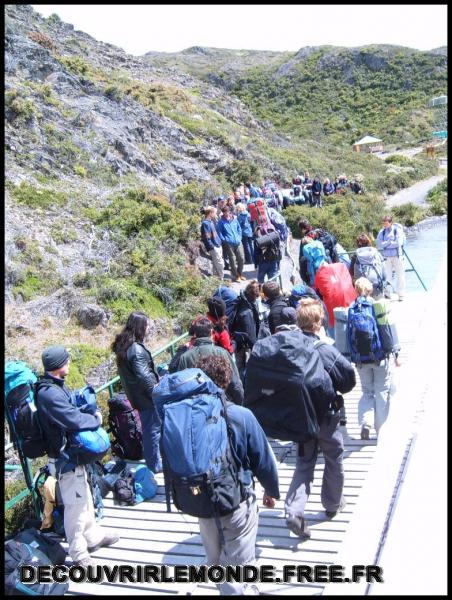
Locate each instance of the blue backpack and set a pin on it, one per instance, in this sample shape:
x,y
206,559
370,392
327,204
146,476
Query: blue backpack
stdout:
x,y
20,388
363,337
198,461
315,254
144,484
279,223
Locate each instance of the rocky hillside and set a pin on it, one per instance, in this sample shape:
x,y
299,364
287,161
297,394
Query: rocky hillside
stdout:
x,y
109,158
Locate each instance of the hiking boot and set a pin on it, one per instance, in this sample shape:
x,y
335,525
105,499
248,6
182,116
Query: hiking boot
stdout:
x,y
86,562
365,432
242,278
332,513
298,526
108,540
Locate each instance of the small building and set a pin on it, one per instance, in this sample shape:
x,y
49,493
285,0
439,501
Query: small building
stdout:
x,y
368,144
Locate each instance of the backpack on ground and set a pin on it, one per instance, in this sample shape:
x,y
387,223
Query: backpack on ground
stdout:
x,y
20,391
386,326
363,337
369,264
315,254
329,243
125,425
123,490
284,386
198,460
99,488
144,483
342,255
32,547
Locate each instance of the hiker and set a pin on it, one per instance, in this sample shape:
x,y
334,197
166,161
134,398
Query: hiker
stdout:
x,y
306,191
246,323
330,441
328,187
138,378
58,417
203,345
356,185
230,234
390,241
277,302
243,217
334,285
287,320
212,242
329,243
230,539
375,370
217,316
367,262
316,190
267,251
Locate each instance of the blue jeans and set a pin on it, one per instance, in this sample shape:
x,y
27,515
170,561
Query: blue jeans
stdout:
x,y
267,268
150,422
248,247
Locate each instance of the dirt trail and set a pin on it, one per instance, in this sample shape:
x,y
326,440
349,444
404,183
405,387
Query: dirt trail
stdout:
x,y
416,193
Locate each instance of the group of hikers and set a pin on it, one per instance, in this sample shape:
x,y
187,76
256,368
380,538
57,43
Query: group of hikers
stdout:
x,y
312,191
260,363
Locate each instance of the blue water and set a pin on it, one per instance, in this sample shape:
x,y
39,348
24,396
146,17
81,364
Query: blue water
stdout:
x,y
426,249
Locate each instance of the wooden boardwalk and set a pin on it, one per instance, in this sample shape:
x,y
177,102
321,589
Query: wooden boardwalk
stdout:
x,y
150,535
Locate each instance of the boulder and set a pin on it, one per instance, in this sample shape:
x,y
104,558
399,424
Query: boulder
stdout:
x,y
91,315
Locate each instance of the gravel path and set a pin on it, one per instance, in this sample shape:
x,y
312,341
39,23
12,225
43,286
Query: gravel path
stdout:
x,y
416,193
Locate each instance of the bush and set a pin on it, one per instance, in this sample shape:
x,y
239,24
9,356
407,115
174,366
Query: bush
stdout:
x,y
437,199
113,92
399,159
19,107
409,214
33,197
241,171
84,358
16,516
37,281
42,40
80,171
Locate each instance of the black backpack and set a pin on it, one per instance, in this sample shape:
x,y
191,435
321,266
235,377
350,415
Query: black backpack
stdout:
x,y
173,365
286,386
32,547
329,243
268,245
125,425
124,490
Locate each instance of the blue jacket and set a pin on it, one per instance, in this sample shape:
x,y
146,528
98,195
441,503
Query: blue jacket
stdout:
x,y
57,416
390,241
245,224
230,232
328,189
316,187
209,234
252,449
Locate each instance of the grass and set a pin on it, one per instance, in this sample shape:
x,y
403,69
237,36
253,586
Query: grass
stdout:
x,y
35,197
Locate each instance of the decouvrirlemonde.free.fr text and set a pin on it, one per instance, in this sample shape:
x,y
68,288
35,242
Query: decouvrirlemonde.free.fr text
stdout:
x,y
201,574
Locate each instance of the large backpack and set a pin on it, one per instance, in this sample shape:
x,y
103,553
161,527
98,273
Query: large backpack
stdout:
x,y
386,326
363,337
125,425
258,213
342,255
144,484
32,547
20,388
369,264
279,223
199,463
329,243
300,291
124,489
286,386
268,244
315,253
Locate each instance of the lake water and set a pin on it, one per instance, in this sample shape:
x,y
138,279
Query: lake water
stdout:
x,y
426,248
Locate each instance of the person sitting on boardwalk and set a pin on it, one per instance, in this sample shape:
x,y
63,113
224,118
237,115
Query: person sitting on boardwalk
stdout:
x,y
57,417
203,345
390,241
255,456
230,234
211,240
375,373
330,440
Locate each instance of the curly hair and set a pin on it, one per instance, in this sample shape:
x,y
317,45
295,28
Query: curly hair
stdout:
x,y
217,368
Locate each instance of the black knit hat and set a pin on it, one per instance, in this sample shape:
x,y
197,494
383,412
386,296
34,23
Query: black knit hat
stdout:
x,y
217,307
288,316
54,358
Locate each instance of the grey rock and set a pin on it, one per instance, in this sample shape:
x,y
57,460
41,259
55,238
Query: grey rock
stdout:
x,y
91,315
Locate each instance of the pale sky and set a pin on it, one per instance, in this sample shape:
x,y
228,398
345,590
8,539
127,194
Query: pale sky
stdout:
x,y
171,28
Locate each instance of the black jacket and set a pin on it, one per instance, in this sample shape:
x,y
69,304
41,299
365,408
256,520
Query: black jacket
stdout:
x,y
246,322
339,369
57,416
276,308
138,376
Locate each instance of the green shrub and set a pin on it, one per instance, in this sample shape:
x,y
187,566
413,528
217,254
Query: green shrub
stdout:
x,y
113,92
409,214
20,107
437,199
241,171
84,358
76,65
34,197
37,281
16,516
399,159
79,170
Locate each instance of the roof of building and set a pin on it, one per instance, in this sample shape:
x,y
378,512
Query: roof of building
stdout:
x,y
367,139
